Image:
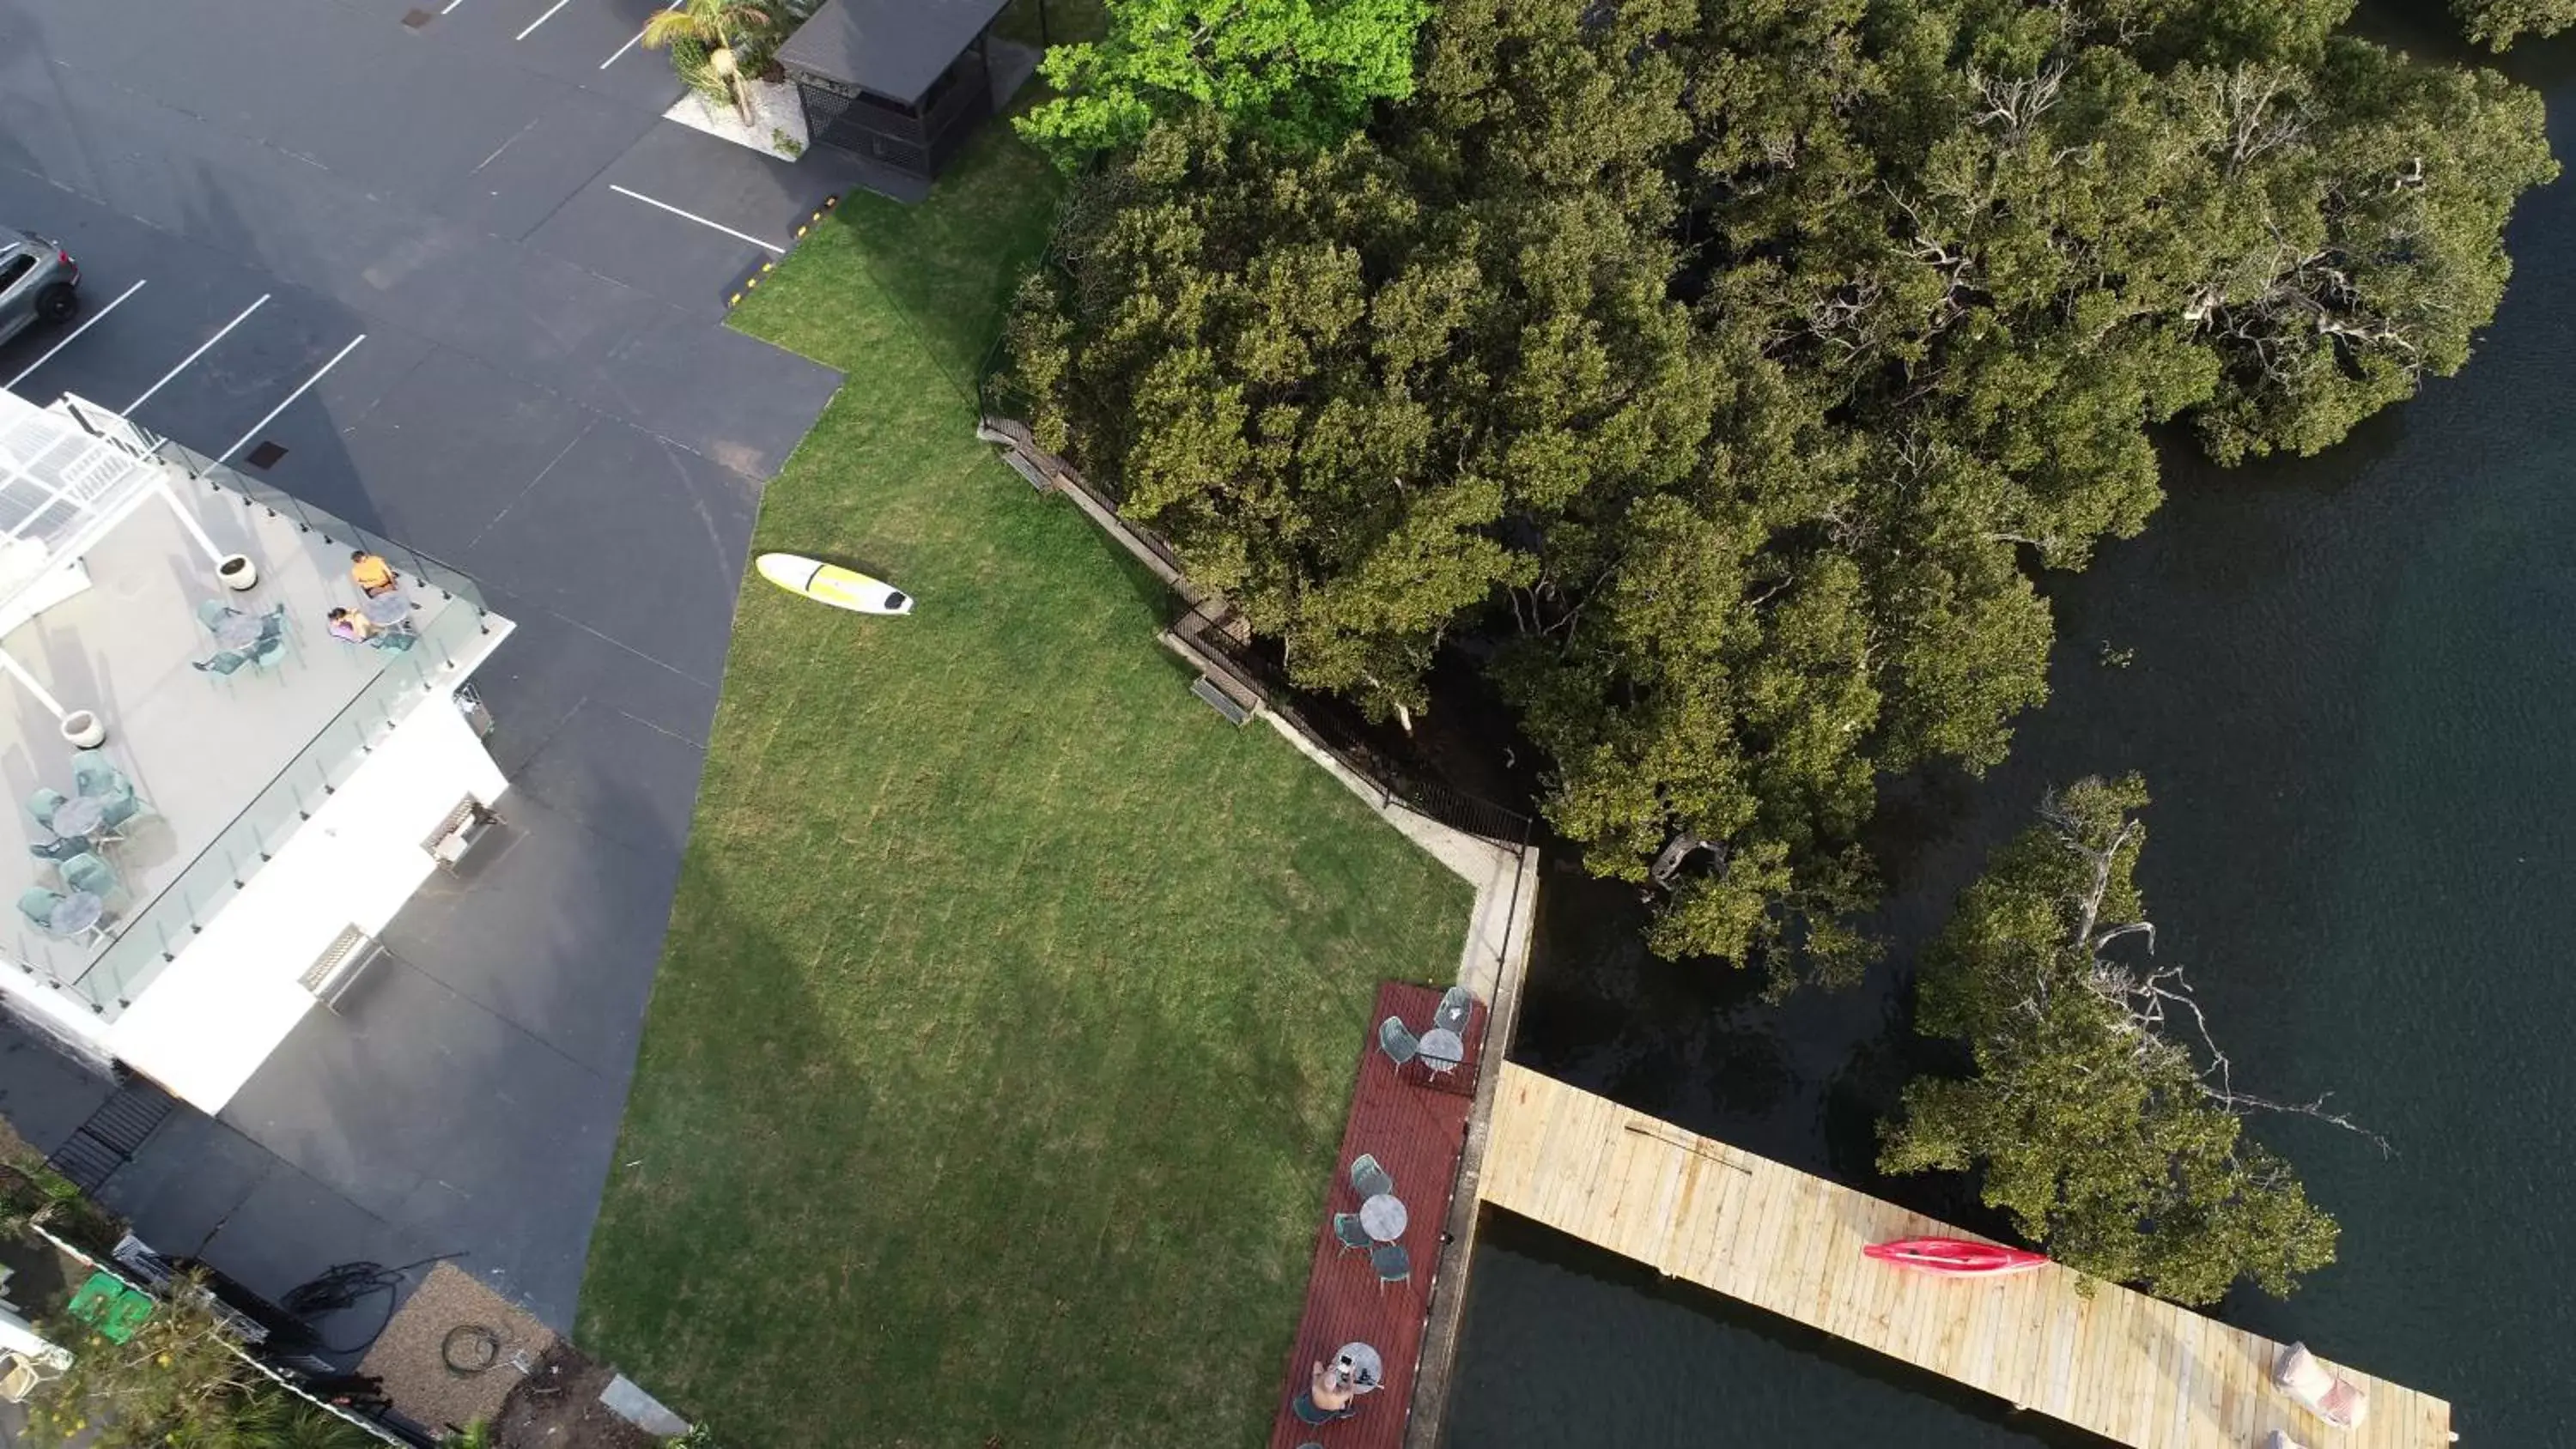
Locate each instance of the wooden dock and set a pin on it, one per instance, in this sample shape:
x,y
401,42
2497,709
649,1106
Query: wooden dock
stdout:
x,y
2123,1365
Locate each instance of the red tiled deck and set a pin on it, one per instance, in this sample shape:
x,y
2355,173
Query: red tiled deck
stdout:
x,y
1415,1130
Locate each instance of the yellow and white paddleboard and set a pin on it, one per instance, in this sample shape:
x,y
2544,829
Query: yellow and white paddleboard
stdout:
x,y
832,584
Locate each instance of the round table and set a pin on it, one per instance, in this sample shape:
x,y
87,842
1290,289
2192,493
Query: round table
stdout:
x,y
80,816
1383,1216
386,609
1441,1049
238,630
1368,1371
76,913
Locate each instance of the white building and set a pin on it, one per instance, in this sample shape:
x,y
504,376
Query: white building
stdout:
x,y
289,807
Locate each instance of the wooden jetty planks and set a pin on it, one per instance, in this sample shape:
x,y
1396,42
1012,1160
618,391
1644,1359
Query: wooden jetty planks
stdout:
x,y
2128,1367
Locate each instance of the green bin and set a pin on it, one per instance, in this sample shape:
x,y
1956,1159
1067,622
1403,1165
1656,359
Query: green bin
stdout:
x,y
106,1304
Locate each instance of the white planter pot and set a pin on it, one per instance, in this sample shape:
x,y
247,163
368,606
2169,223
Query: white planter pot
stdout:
x,y
237,571
84,730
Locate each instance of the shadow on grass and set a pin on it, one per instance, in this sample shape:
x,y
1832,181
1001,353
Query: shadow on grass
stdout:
x,y
950,264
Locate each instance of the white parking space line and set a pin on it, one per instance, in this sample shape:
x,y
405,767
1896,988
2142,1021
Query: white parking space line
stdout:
x,y
226,455
637,37
94,319
202,348
773,248
450,5
542,19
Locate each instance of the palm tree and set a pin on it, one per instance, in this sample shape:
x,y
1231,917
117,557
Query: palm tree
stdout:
x,y
722,30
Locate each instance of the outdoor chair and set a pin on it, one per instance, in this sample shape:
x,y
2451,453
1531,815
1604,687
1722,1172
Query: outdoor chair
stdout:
x,y
273,623
94,776
42,802
1455,1005
1368,1179
213,612
1393,1264
223,663
60,850
267,652
1398,1044
37,904
116,809
87,873
1303,1406
1348,1232
394,641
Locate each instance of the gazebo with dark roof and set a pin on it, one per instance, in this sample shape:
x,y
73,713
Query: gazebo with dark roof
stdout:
x,y
901,82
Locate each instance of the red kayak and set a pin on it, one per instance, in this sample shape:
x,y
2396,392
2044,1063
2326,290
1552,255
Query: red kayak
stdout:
x,y
1955,1257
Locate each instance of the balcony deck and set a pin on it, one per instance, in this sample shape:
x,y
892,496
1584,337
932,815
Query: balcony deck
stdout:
x,y
1415,1126
226,763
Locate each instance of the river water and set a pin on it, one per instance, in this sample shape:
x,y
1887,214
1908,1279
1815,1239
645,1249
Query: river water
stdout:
x,y
2350,693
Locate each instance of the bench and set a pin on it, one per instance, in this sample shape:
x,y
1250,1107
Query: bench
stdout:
x,y
1233,709
339,966
1021,465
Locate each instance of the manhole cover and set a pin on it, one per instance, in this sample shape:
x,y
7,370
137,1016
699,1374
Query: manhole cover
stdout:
x,y
264,456
417,18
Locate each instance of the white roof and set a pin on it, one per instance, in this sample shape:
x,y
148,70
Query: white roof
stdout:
x,y
60,484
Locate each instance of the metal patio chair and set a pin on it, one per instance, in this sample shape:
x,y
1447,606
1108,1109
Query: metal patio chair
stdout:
x,y
86,872
42,802
94,776
1368,1179
1456,1004
37,904
1398,1044
1393,1264
1348,1232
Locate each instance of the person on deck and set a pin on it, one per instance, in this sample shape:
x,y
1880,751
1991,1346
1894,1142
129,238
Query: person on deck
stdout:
x,y
372,574
1327,1397
353,626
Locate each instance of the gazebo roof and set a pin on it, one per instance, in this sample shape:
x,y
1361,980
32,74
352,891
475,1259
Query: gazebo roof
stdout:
x,y
894,48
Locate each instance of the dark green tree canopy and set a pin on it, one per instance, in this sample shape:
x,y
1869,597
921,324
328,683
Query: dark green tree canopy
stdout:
x,y
1301,72
1739,361
2108,1141
2497,24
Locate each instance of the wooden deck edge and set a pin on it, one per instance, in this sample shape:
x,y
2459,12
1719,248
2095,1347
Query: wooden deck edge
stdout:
x,y
1427,1415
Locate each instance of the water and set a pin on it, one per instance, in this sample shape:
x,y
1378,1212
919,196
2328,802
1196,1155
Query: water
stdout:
x,y
2351,690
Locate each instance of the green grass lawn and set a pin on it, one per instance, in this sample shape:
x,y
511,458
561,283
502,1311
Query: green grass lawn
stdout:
x,y
1006,1024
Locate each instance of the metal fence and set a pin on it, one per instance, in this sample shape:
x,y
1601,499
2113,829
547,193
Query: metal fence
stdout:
x,y
1325,724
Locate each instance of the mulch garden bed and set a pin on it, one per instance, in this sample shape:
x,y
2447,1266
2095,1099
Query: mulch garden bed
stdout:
x,y
558,1407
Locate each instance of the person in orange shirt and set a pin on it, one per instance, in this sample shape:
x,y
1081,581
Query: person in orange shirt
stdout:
x,y
372,574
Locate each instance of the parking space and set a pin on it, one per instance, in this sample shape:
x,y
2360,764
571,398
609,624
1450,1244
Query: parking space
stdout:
x,y
457,282
588,43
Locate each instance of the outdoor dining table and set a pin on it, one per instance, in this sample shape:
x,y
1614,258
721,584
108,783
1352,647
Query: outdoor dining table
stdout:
x,y
1442,1048
1367,1369
76,914
1383,1216
238,630
79,816
386,610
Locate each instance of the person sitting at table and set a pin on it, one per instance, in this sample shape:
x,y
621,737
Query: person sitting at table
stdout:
x,y
372,574
353,626
1327,1398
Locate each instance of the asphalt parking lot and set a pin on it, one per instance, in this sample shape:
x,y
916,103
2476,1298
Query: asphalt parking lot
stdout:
x,y
449,260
